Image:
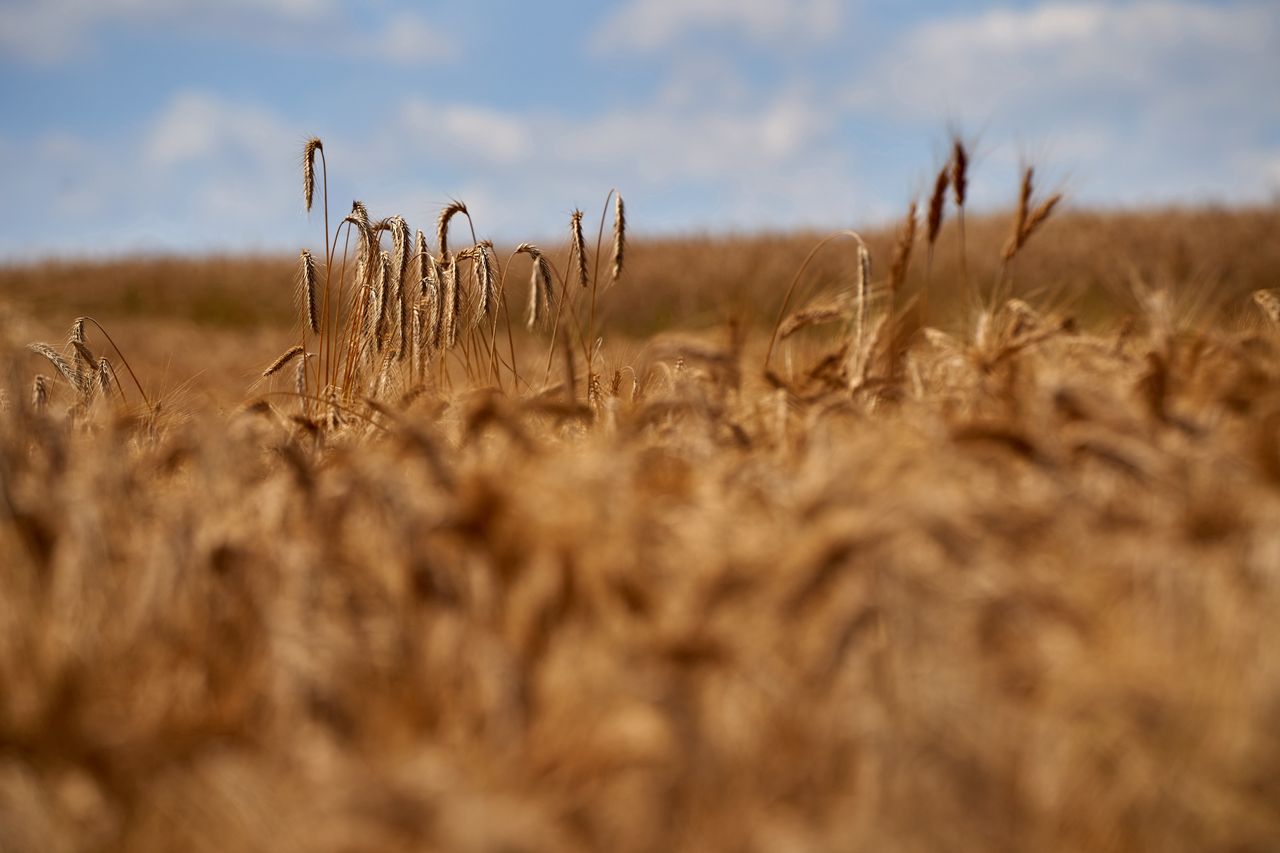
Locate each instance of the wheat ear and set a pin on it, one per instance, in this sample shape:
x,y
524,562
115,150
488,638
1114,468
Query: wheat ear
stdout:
x,y
431,289
380,299
937,201
902,254
451,299
540,288
285,357
309,170
1026,188
579,246
40,393
55,358
959,171
307,286
442,226
619,234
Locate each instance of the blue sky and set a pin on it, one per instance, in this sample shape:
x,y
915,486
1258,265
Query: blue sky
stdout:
x,y
176,125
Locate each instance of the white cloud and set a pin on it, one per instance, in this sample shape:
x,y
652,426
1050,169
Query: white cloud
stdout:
x,y
738,165
658,141
199,127
52,31
1177,51
650,25
405,39
483,135
1152,99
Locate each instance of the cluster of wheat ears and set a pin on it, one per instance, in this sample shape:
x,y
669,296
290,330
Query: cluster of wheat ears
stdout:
x,y
864,574
389,324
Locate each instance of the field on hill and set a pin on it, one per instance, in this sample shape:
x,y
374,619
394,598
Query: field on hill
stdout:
x,y
960,536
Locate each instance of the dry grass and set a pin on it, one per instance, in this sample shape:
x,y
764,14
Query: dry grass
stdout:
x,y
996,574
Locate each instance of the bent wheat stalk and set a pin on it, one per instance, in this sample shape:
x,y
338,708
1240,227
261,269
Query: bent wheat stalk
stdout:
x,y
804,265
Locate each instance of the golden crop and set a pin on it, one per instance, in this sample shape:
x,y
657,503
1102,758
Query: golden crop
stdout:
x,y
948,541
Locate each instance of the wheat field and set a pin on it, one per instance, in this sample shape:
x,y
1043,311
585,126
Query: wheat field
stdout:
x,y
956,535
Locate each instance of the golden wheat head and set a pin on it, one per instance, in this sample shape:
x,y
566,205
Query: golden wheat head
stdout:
x,y
309,169
285,357
619,234
579,245
307,290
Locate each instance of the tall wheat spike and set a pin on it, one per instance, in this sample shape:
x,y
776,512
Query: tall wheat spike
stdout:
x,y
433,309
487,291
420,255
1025,190
1028,220
400,259
579,245
619,235
959,171
105,376
937,202
307,286
300,383
381,300
309,169
902,254
359,215
451,300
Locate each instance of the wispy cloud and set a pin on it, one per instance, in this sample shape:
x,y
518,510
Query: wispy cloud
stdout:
x,y
1168,99
405,38
648,25
1042,56
198,127
50,32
